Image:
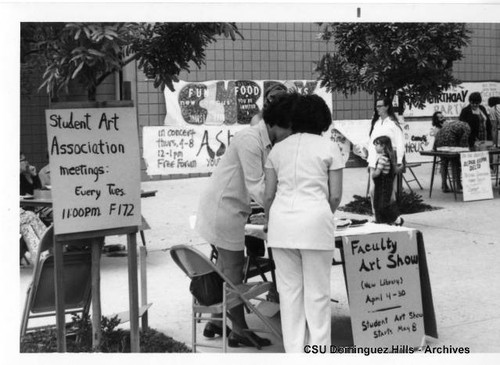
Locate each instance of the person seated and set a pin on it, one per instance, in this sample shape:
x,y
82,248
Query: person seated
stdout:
x,y
44,175
452,134
29,180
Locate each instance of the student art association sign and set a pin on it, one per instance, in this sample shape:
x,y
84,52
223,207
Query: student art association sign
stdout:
x,y
203,117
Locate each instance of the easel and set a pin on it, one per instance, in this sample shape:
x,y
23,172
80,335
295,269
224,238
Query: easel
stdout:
x,y
96,284
98,118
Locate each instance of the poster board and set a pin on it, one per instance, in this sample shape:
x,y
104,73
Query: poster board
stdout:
x,y
450,102
476,175
95,168
416,136
227,102
193,150
385,300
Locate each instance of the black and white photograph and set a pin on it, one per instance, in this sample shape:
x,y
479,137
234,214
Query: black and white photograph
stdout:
x,y
319,180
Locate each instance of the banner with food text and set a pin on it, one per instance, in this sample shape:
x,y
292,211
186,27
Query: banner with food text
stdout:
x,y
203,117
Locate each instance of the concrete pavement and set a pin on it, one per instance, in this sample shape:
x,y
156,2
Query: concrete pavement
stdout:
x,y
462,242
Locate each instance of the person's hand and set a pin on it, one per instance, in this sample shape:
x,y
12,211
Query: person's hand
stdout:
x,y
32,170
265,228
360,150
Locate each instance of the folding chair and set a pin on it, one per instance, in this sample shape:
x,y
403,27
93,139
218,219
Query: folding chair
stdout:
x,y
194,264
256,264
40,298
409,167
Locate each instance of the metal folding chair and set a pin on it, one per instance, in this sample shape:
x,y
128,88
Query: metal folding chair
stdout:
x,y
194,264
40,298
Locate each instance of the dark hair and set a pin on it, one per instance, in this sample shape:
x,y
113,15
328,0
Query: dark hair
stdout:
x,y
435,121
390,112
388,150
279,111
494,100
273,89
475,97
311,115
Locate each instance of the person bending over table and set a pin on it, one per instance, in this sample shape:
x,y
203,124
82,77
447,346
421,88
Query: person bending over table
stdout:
x,y
224,206
452,134
303,190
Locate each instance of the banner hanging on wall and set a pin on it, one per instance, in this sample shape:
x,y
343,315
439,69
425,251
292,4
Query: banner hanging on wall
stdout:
x,y
227,102
203,117
451,101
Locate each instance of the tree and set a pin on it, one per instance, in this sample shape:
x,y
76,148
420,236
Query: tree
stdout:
x,y
90,52
412,60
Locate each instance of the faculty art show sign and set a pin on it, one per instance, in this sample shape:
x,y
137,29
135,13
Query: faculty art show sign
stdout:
x,y
385,300
203,117
95,168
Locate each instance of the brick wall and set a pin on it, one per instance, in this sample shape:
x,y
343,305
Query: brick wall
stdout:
x,y
268,51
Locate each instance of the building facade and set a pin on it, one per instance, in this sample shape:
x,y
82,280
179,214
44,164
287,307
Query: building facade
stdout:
x,y
269,51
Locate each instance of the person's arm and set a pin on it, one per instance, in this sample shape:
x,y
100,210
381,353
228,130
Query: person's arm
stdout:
x,y
335,178
250,153
271,187
400,145
375,172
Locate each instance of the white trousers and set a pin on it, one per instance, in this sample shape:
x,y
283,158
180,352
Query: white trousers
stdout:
x,y
303,282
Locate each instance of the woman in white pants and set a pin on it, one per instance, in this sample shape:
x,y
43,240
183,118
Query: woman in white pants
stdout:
x,y
303,190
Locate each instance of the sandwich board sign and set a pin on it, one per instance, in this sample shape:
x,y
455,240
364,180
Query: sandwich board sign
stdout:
x,y
476,175
383,283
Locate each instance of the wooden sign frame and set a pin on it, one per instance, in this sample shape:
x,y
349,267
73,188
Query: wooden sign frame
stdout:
x,y
95,237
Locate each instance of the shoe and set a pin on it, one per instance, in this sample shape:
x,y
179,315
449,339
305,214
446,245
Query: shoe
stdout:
x,y
399,222
211,330
446,189
234,340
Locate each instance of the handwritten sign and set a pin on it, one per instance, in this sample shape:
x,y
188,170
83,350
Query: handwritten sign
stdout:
x,y
382,275
227,102
95,168
180,150
450,102
476,178
416,136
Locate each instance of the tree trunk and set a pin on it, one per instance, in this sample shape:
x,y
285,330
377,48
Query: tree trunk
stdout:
x,y
91,93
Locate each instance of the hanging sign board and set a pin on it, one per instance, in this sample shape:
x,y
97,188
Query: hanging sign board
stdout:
x,y
382,275
476,175
95,168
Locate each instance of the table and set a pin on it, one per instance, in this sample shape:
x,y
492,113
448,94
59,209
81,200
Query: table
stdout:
x,y
368,228
450,155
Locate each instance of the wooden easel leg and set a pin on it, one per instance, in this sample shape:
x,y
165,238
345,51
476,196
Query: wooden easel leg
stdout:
x,y
59,293
96,294
133,292
144,284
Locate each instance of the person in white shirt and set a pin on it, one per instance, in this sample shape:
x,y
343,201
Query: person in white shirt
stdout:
x,y
303,190
384,123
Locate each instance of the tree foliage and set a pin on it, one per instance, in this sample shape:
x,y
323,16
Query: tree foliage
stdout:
x,y
89,52
413,60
